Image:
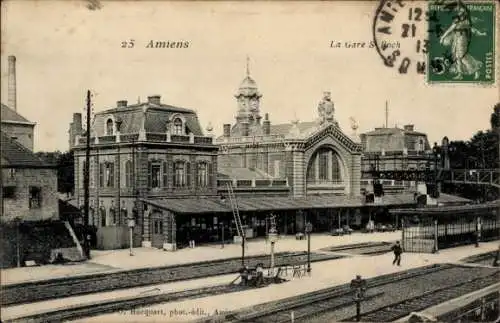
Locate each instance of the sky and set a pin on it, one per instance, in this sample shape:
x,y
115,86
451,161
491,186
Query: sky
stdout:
x,y
63,49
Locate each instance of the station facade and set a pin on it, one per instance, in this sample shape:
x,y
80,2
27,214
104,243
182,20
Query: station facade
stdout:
x,y
151,162
138,152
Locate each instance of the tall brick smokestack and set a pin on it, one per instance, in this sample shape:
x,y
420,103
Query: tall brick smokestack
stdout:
x,y
12,92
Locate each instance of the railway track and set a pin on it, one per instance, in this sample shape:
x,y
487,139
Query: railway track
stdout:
x,y
125,305
314,302
483,258
367,248
338,303
30,292
401,309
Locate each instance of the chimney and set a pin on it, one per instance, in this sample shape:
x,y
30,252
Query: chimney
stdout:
x,y
121,104
77,121
409,127
227,130
154,99
266,125
12,95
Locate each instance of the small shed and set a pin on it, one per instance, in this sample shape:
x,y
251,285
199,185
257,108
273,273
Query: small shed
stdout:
x,y
429,229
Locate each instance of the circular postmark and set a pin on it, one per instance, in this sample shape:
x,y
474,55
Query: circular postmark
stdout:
x,y
450,40
400,34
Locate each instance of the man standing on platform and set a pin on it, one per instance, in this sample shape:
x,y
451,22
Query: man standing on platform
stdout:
x,y
397,253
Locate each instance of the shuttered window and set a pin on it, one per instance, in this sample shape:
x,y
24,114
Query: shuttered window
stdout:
x,y
149,174
210,175
101,175
165,174
188,174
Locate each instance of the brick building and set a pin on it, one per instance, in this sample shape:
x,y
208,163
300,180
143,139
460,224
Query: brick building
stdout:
x,y
29,185
143,153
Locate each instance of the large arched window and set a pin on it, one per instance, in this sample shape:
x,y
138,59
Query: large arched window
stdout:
x,y
324,167
177,126
109,127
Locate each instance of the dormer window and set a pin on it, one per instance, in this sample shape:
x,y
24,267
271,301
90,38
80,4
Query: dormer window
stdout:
x,y
177,129
109,127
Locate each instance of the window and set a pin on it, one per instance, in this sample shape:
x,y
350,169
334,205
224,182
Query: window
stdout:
x,y
35,200
128,174
155,175
158,226
101,175
165,174
9,192
323,165
182,174
110,174
177,126
202,173
335,168
179,174
109,127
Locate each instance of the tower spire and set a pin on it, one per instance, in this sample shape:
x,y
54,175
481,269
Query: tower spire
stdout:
x,y
248,66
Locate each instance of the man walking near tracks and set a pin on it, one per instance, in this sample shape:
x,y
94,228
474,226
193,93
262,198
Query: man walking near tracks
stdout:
x,y
398,250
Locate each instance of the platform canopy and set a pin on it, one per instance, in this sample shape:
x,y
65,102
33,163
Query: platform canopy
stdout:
x,y
249,204
446,210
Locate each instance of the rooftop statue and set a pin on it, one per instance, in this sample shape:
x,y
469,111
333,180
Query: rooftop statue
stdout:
x,y
326,108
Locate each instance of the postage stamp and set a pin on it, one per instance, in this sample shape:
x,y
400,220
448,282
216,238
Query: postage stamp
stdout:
x,y
462,42
451,41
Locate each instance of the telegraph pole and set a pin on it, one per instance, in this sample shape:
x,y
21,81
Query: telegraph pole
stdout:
x,y
86,242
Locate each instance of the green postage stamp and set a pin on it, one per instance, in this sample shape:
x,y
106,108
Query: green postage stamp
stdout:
x,y
461,42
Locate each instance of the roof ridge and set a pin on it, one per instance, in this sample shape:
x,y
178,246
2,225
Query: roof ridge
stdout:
x,y
22,148
13,112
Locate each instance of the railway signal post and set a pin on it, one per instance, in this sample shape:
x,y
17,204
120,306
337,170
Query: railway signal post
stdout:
x,y
358,286
273,237
308,231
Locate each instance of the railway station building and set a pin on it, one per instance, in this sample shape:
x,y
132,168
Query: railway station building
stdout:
x,y
299,171
152,162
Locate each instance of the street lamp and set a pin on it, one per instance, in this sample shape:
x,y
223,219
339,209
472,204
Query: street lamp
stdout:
x,y
131,225
273,237
435,151
308,232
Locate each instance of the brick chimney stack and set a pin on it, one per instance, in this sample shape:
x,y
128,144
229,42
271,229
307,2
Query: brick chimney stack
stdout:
x,y
121,104
12,92
266,125
154,99
227,130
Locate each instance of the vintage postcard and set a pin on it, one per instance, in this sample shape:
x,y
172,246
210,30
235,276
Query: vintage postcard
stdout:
x,y
250,161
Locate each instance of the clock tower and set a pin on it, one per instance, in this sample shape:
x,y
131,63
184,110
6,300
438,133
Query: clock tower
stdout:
x,y
248,98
